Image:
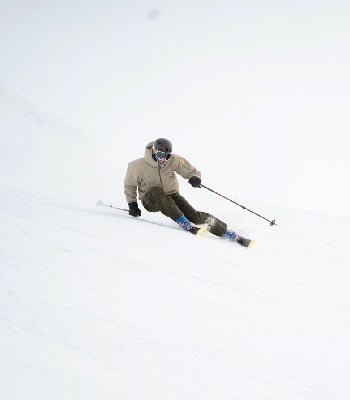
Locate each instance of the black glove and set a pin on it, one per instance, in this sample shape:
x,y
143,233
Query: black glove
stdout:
x,y
134,209
195,181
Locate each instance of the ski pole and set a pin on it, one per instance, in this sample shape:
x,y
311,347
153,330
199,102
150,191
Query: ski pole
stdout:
x,y
272,222
101,203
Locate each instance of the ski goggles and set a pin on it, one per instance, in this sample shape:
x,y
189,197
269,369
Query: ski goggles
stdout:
x,y
161,155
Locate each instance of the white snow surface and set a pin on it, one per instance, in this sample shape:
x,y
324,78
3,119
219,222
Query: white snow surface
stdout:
x,y
95,304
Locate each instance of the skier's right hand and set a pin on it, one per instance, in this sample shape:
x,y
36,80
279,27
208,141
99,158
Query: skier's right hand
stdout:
x,y
134,209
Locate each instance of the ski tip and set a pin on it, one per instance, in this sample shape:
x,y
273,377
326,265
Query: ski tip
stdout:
x,y
99,203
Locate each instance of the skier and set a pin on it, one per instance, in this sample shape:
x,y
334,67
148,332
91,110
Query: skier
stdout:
x,y
154,178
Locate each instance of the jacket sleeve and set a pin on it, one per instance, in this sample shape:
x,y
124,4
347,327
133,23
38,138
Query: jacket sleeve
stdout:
x,y
130,184
185,169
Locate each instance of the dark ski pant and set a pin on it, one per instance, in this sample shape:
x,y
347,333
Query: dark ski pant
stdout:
x,y
174,206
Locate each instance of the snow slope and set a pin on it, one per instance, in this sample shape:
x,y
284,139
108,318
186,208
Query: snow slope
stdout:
x,y
96,304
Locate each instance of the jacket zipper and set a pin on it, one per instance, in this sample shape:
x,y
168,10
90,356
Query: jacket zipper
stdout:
x,y
160,177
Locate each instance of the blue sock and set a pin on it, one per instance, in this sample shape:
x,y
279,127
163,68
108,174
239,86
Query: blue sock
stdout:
x,y
231,235
184,223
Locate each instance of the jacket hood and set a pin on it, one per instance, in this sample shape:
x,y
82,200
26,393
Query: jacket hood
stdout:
x,y
148,155
149,146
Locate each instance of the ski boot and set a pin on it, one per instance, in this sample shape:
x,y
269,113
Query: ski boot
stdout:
x,y
244,242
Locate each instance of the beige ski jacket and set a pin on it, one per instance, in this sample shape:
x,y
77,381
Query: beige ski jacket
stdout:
x,y
144,173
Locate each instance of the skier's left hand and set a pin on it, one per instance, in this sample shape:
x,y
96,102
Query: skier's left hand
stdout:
x,y
134,209
195,181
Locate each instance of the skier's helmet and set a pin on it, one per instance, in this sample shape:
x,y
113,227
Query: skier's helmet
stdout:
x,y
162,149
